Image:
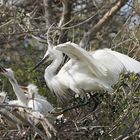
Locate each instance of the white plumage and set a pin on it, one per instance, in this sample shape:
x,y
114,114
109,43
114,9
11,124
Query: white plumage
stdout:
x,y
5,99
87,71
32,100
38,102
21,97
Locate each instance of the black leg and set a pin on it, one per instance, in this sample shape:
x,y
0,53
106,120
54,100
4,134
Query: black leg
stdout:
x,y
96,100
87,98
81,102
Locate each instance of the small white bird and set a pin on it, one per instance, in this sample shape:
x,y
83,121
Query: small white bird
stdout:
x,y
21,97
88,71
36,101
32,100
40,107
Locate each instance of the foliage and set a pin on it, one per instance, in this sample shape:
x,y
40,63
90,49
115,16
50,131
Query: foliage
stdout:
x,y
117,116
23,29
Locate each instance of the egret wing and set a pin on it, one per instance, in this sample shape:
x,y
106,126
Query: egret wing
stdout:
x,y
75,52
130,64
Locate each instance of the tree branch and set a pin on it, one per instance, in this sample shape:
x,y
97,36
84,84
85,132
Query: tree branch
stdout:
x,y
65,18
48,12
102,22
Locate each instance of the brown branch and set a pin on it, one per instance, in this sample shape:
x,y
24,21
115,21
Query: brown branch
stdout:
x,y
65,18
48,12
101,23
9,116
66,13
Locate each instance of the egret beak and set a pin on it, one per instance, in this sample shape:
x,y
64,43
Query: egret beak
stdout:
x,y
42,61
2,69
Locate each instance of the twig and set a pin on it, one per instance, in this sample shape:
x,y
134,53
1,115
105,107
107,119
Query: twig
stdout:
x,y
102,22
48,12
12,105
65,18
81,23
128,130
5,24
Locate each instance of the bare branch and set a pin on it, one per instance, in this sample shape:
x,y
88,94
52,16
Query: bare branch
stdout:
x,y
48,12
102,22
65,18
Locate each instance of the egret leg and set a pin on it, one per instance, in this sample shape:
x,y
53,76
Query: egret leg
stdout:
x,y
95,99
74,107
86,99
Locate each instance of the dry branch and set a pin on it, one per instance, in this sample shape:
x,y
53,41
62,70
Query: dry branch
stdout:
x,y
27,117
48,12
65,18
101,23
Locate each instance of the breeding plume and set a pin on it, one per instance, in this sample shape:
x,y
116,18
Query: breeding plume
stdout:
x,y
32,99
88,71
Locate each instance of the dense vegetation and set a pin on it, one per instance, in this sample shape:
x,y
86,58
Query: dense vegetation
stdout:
x,y
23,28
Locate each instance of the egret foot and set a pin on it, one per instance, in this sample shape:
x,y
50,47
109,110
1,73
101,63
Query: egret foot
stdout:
x,y
94,101
86,99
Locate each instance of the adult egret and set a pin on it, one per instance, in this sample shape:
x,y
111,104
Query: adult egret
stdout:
x,y
32,100
88,71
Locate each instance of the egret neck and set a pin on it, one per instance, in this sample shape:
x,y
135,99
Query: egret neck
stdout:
x,y
18,91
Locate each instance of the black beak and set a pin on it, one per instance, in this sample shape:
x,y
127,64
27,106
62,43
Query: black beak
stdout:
x,y
2,69
39,63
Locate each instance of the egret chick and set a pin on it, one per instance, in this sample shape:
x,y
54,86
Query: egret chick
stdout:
x,y
36,101
32,100
21,97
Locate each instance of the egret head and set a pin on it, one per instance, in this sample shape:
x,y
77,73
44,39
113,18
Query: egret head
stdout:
x,y
65,47
7,72
30,89
33,89
50,55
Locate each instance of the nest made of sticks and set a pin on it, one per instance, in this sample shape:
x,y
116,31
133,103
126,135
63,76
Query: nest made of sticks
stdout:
x,y
117,117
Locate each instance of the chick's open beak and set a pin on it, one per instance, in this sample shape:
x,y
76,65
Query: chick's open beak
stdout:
x,y
2,69
25,89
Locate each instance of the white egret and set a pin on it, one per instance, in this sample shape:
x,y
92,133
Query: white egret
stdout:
x,y
38,103
88,71
21,97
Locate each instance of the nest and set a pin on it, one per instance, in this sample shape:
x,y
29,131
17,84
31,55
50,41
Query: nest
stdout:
x,y
18,122
117,117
